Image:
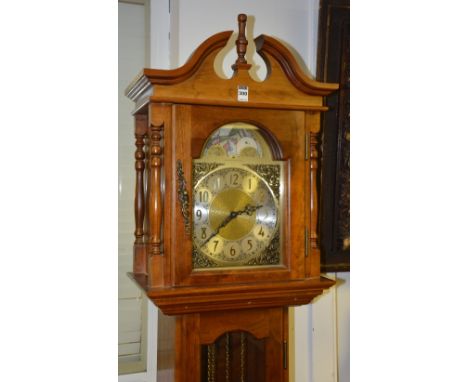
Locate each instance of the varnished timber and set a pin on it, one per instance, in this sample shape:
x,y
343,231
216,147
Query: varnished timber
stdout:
x,y
176,111
287,127
314,157
183,300
155,192
241,45
286,86
268,47
139,249
182,352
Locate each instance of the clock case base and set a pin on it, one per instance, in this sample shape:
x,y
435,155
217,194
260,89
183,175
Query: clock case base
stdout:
x,y
193,318
222,297
184,344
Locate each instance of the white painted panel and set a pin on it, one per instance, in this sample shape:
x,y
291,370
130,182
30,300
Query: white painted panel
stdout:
x,y
151,354
131,61
330,332
126,289
159,34
139,377
133,358
131,336
303,343
342,315
129,315
130,348
323,325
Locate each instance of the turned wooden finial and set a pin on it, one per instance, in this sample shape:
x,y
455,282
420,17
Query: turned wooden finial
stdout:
x,y
241,45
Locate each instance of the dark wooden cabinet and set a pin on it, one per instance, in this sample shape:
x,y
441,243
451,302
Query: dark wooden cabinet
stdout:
x,y
245,345
226,209
334,66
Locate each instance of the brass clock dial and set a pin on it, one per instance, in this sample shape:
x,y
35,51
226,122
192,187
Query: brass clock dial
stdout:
x,y
237,199
235,215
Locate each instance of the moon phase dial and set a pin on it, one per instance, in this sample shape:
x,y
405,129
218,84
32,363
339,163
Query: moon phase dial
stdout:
x,y
235,219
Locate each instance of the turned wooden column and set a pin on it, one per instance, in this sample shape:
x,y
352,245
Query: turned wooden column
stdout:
x,y
139,253
314,163
155,194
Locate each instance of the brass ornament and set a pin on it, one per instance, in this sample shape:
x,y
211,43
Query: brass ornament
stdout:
x,y
237,200
212,363
243,356
232,200
236,215
183,196
228,358
271,174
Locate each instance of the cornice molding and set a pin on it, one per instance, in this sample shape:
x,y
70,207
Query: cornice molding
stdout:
x,y
267,47
266,44
195,299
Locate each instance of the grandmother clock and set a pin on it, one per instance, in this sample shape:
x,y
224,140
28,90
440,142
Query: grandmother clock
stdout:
x,y
226,209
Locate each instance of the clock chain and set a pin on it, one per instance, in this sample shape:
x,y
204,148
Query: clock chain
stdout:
x,y
228,366
243,355
211,363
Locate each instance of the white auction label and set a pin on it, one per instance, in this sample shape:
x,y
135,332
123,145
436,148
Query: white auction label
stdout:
x,y
242,93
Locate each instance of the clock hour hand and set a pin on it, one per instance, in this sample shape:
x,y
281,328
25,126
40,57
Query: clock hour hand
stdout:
x,y
249,210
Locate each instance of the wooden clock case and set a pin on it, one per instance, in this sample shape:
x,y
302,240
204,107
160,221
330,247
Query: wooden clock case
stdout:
x,y
175,111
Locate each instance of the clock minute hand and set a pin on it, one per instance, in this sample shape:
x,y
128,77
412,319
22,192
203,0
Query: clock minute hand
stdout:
x,y
224,223
249,210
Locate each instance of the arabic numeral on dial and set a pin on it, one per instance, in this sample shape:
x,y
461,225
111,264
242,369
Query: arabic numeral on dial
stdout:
x,y
215,246
250,184
202,232
233,179
203,195
261,232
249,244
200,213
232,251
215,183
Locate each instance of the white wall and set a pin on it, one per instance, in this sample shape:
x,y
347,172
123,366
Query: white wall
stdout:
x,y
135,354
131,59
293,22
321,341
328,327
